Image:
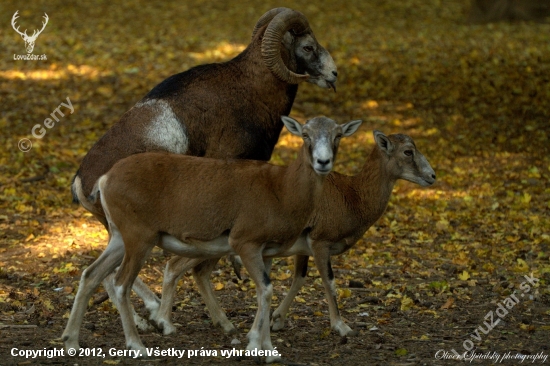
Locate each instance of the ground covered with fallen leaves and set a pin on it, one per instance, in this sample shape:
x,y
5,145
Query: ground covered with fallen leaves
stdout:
x,y
424,278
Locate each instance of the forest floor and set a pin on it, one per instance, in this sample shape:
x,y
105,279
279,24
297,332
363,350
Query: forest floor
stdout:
x,y
433,272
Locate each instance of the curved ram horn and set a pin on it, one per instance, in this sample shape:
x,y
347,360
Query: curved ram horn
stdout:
x,y
266,18
271,44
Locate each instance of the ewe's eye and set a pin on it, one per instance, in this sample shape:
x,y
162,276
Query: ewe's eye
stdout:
x,y
305,136
408,152
308,48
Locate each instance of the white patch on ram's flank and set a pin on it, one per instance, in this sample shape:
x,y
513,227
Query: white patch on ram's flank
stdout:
x,y
165,130
147,103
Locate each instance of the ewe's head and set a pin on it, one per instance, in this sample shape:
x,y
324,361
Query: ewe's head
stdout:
x,y
290,29
321,137
404,160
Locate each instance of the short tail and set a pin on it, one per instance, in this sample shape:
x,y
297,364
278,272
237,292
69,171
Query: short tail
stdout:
x,y
88,202
96,190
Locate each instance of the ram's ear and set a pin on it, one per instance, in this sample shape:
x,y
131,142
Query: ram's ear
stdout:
x,y
383,142
288,40
349,128
293,126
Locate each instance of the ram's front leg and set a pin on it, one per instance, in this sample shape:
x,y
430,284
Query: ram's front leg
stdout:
x,y
298,281
321,256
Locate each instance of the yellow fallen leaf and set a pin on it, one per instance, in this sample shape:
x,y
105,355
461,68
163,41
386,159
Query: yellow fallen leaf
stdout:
x,y
344,293
442,225
406,303
219,286
522,266
283,276
401,352
48,304
370,104
325,333
464,276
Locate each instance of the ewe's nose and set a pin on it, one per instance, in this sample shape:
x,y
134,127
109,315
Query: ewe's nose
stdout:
x,y
335,73
323,162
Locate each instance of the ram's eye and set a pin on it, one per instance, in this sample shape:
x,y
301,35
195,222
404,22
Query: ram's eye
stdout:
x,y
308,48
408,152
305,136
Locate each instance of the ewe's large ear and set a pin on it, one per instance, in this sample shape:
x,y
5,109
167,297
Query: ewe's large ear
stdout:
x,y
293,126
349,128
383,142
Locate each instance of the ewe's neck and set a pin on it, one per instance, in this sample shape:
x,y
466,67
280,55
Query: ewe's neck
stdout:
x,y
375,185
300,178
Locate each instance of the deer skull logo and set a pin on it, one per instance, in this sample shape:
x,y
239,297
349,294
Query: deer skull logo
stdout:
x,y
29,40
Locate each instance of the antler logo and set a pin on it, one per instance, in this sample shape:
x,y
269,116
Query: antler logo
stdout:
x,y
29,40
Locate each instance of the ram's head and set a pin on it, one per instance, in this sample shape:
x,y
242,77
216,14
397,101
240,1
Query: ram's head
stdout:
x,y
289,29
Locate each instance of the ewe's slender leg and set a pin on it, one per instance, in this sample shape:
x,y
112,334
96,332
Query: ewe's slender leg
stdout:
x,y
90,280
161,314
109,285
259,336
322,261
299,279
138,248
202,273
